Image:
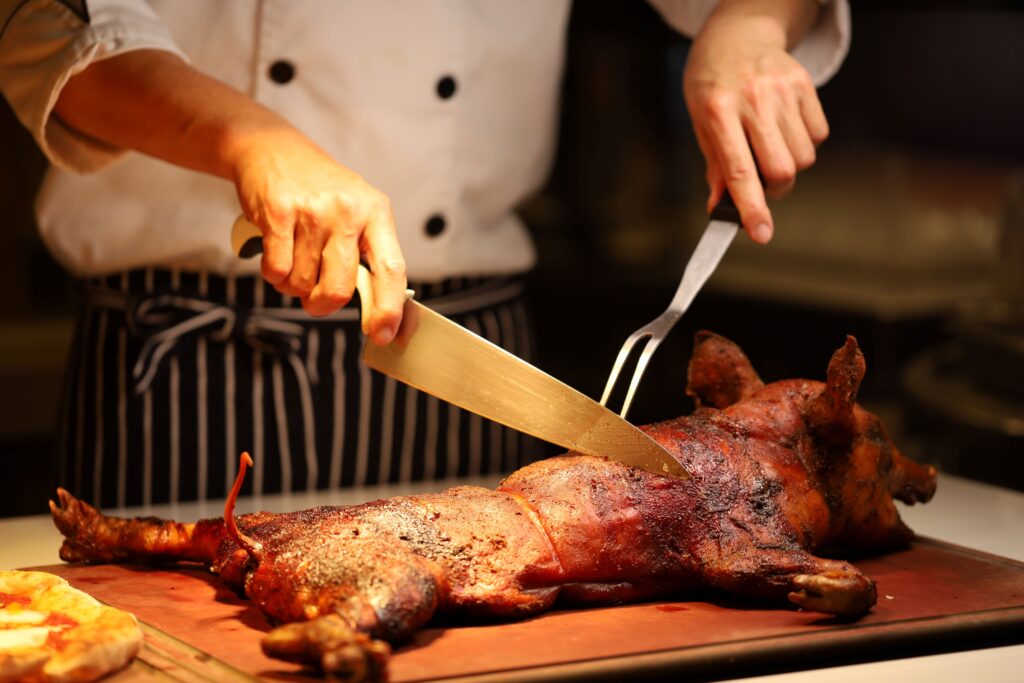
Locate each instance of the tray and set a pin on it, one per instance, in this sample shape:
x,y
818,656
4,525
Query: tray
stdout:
x,y
932,597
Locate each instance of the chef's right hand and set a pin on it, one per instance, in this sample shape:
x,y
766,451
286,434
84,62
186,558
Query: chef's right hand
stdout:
x,y
319,219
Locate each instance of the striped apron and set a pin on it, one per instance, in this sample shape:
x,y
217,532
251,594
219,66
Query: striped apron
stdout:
x,y
172,374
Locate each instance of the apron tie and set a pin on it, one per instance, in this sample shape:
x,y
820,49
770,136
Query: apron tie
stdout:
x,y
164,321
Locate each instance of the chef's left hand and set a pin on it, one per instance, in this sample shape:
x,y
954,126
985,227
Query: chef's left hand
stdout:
x,y
749,99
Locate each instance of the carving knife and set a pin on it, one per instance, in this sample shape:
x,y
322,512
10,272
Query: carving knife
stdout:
x,y
442,358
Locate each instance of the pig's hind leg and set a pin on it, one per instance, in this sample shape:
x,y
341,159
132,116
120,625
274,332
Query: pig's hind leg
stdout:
x,y
90,536
813,583
343,605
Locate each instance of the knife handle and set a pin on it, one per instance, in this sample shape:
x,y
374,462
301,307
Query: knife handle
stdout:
x,y
725,209
247,242
246,239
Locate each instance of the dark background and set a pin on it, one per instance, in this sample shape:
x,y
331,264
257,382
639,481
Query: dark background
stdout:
x,y
906,234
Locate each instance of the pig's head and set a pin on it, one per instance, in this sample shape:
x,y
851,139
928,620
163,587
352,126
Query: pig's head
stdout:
x,y
846,449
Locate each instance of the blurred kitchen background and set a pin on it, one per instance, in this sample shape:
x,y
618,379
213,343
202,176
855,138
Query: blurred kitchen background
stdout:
x,y
908,234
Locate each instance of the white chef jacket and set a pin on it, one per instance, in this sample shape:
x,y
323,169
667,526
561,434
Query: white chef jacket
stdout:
x,y
365,84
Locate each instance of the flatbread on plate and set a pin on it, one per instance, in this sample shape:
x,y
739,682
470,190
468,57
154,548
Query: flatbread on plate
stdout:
x,y
51,632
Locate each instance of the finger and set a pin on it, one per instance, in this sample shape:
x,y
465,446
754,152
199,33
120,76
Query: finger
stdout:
x,y
797,137
774,159
338,264
310,239
387,268
740,173
812,113
278,244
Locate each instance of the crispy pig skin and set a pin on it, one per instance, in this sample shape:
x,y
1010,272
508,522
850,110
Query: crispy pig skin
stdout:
x,y
777,472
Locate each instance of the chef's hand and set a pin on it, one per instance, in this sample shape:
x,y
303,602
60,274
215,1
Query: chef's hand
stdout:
x,y
749,99
319,219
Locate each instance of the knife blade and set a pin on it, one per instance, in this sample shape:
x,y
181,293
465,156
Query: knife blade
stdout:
x,y
446,360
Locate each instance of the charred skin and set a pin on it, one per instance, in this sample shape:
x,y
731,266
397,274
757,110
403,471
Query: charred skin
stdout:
x,y
777,471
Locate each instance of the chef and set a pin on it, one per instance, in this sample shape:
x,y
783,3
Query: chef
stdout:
x,y
402,134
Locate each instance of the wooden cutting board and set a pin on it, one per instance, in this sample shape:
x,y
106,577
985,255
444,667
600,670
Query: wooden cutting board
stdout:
x,y
932,597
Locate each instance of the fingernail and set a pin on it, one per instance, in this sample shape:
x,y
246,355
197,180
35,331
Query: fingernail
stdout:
x,y
762,233
383,336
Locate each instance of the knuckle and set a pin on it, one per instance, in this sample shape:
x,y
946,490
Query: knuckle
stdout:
x,y
346,205
737,173
315,307
316,208
310,219
719,104
805,159
336,297
392,267
791,84
283,288
279,212
780,173
378,209
301,284
391,318
802,80
325,300
274,267
389,313
753,91
821,133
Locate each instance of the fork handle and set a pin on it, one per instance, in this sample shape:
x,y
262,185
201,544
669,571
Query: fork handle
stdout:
x,y
725,209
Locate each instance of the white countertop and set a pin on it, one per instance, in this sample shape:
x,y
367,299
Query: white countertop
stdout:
x,y
965,512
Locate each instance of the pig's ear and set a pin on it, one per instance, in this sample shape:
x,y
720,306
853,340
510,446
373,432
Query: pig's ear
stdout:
x,y
830,414
719,373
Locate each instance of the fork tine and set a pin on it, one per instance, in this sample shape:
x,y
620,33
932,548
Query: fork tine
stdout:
x,y
709,251
641,367
620,361
648,335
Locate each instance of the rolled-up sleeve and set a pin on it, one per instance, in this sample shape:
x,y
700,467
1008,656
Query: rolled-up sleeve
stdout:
x,y
821,50
43,43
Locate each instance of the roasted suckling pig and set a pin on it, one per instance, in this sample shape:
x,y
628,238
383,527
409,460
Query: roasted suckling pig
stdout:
x,y
777,471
